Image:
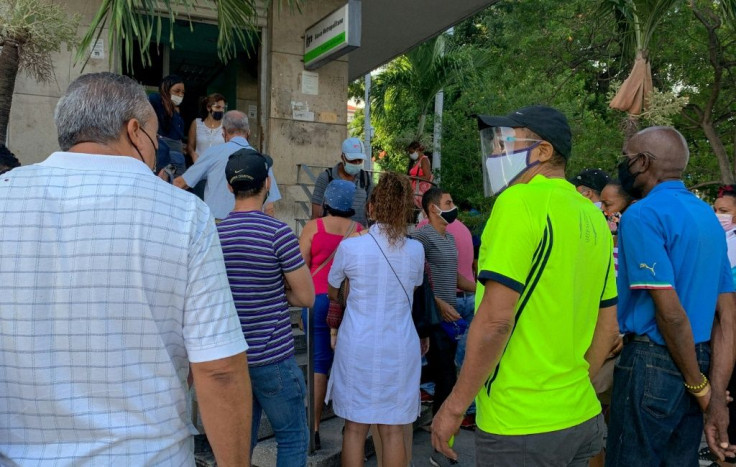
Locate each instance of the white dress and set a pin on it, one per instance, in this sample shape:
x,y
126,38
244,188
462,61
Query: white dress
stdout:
x,y
208,137
377,366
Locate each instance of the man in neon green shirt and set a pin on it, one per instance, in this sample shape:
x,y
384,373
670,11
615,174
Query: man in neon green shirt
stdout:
x,y
545,305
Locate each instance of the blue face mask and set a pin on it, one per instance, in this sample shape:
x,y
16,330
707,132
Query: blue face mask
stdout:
x,y
352,169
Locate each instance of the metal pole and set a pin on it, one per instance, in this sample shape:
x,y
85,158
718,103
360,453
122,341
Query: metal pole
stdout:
x,y
367,128
310,377
439,100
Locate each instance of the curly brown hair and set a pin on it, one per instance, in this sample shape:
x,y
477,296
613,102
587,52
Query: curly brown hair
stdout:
x,y
391,205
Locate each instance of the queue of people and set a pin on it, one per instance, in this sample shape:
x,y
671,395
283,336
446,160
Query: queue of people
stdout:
x,y
122,290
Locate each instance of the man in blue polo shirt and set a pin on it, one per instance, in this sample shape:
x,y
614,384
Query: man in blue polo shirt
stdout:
x,y
676,311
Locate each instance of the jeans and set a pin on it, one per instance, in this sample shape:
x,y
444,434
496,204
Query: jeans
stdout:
x,y
570,447
323,353
279,390
466,307
653,421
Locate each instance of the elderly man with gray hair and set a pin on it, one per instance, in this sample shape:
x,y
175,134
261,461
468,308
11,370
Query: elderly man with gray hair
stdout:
x,y
113,287
211,163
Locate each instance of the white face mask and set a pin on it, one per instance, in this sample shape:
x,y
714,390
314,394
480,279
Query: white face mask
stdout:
x,y
503,169
598,204
414,156
726,221
176,100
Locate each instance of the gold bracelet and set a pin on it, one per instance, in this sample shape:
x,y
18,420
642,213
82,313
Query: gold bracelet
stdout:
x,y
698,387
703,392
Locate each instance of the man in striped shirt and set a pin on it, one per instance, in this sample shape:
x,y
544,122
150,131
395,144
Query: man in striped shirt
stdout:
x,y
267,273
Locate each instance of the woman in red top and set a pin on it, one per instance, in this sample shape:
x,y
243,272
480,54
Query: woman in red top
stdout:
x,y
420,171
318,244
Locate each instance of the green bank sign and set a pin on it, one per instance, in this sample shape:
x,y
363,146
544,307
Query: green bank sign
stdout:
x,y
334,35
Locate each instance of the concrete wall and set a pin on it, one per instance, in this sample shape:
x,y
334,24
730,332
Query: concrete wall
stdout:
x,y
290,141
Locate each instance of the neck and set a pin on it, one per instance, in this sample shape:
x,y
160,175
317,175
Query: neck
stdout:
x,y
438,223
253,203
229,137
650,187
209,121
115,149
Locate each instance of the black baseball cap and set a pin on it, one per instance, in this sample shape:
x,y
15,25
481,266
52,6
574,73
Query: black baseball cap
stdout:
x,y
550,124
592,178
246,168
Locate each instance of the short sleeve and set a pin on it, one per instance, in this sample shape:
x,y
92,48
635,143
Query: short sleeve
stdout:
x,y
726,280
337,270
198,171
609,297
211,327
509,242
286,249
318,195
642,251
273,193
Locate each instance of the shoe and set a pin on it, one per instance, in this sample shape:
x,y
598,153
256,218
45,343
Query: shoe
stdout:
x,y
705,457
427,398
317,443
468,422
440,460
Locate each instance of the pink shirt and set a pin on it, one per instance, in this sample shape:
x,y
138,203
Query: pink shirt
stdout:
x,y
323,245
464,244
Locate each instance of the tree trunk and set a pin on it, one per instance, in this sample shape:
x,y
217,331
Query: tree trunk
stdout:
x,y
9,62
724,164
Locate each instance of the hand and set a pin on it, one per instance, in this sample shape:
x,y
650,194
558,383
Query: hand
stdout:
x,y
424,345
301,324
445,425
163,175
333,340
449,313
617,347
716,424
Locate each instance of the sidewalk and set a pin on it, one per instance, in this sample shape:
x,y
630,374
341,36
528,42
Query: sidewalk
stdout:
x,y
422,449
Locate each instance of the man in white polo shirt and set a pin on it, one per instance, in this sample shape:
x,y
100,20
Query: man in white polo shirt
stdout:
x,y
112,286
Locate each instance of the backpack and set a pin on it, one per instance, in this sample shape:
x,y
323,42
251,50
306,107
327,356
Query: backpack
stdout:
x,y
363,179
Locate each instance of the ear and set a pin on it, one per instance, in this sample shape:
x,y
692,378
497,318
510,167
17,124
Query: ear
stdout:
x,y
230,188
545,151
268,183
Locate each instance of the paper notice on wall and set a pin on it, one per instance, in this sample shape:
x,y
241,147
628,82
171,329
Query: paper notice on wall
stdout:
x,y
300,111
97,50
252,111
310,83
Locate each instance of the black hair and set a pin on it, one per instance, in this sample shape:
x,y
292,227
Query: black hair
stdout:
x,y
337,213
431,196
620,189
7,159
250,191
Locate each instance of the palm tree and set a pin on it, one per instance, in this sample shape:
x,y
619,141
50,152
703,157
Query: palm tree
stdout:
x,y
140,19
29,31
639,20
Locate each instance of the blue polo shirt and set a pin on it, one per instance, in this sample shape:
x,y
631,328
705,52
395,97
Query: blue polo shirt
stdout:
x,y
671,240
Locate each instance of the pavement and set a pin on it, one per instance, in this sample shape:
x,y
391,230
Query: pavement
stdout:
x,y
422,449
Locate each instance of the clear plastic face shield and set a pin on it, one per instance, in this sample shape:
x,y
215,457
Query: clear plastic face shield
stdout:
x,y
505,157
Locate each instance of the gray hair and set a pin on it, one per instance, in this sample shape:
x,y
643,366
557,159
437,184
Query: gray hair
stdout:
x,y
235,121
97,106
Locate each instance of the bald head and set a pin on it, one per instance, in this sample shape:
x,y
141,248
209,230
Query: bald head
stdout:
x,y
235,122
668,147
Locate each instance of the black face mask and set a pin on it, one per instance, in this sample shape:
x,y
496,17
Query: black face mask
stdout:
x,y
217,115
449,216
628,179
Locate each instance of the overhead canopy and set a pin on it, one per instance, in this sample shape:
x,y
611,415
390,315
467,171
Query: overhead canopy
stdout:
x,y
392,27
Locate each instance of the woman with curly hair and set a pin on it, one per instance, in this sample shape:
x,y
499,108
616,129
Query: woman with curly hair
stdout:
x,y
377,364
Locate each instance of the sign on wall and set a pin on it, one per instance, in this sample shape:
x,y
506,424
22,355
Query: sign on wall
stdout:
x,y
334,35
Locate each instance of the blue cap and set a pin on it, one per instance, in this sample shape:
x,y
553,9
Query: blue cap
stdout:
x,y
339,195
353,149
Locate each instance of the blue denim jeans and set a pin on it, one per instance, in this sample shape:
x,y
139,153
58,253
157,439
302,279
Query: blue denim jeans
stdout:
x,y
465,305
653,421
279,390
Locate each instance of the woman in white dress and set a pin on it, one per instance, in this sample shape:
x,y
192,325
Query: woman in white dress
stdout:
x,y
206,131
377,365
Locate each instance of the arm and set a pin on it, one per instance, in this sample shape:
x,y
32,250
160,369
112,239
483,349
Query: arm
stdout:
x,y
721,365
674,325
300,291
605,338
225,400
464,284
305,242
318,195
316,211
192,141
487,337
179,182
426,169
448,312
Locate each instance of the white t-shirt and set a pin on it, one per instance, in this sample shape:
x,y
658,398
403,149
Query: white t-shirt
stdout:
x,y
111,282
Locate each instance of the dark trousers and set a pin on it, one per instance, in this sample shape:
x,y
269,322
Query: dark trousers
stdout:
x,y
441,362
654,421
